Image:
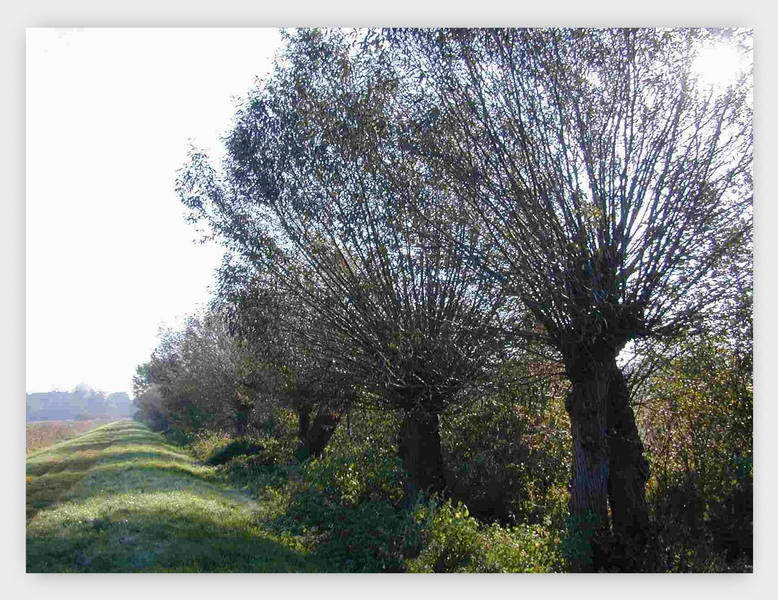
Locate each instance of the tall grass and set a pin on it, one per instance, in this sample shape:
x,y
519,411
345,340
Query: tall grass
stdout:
x,y
45,433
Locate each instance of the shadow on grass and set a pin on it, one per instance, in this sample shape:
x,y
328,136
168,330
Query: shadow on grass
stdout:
x,y
77,462
145,539
119,499
53,472
46,490
157,474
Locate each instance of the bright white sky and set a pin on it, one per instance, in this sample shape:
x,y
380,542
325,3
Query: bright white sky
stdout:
x,y
110,258
109,255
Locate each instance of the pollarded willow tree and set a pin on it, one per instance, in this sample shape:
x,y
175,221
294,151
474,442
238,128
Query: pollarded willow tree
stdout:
x,y
199,376
397,307
274,328
610,180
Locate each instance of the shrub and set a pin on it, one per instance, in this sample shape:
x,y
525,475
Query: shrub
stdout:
x,y
507,459
352,479
697,412
454,541
450,538
360,463
256,471
202,443
236,447
348,503
702,530
371,537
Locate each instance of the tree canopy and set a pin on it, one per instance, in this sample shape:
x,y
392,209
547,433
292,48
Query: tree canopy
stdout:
x,y
425,201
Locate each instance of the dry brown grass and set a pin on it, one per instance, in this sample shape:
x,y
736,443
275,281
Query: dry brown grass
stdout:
x,y
45,433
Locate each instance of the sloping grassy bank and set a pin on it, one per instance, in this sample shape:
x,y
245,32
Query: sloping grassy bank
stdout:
x,y
119,499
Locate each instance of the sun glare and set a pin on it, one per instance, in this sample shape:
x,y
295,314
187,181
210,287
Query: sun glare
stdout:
x,y
718,65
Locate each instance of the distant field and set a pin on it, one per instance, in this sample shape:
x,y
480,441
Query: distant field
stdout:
x,y
41,434
119,499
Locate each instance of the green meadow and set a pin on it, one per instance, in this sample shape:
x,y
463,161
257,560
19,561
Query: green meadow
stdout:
x,y
120,499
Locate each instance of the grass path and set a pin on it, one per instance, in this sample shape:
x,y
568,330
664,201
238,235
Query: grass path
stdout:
x,y
119,499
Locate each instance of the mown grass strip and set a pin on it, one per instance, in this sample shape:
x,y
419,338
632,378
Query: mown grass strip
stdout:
x,y
52,471
119,499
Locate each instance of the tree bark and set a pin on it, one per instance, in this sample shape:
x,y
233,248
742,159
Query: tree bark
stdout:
x,y
628,474
242,414
315,435
303,423
586,404
420,452
321,431
609,469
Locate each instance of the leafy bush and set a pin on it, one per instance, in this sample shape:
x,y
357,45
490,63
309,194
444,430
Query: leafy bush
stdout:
x,y
371,537
697,412
254,472
202,443
508,456
236,447
361,462
702,531
453,541
180,437
349,480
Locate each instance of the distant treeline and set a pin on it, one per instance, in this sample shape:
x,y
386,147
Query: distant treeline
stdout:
x,y
83,402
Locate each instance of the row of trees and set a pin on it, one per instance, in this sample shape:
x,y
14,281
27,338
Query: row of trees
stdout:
x,y
405,210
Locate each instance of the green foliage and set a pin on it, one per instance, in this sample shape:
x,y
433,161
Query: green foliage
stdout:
x,y
697,412
508,455
348,503
576,545
453,541
349,510
236,447
373,536
256,472
361,462
350,478
201,444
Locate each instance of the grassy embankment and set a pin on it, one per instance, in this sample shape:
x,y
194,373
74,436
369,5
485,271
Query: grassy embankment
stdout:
x,y
119,499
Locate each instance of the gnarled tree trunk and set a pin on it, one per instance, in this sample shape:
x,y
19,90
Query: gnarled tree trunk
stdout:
x,y
628,474
242,414
315,435
609,469
420,451
321,431
586,404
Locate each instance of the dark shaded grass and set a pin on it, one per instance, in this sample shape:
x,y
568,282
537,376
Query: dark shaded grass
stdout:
x,y
46,490
53,471
122,541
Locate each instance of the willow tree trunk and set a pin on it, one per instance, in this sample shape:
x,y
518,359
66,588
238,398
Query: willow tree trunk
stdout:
x,y
586,404
303,423
628,474
321,431
315,435
607,492
420,451
242,415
